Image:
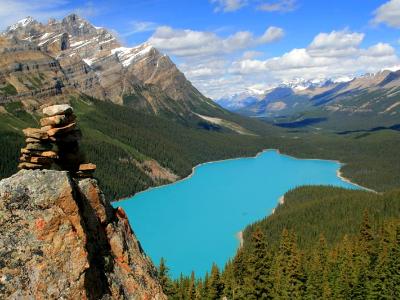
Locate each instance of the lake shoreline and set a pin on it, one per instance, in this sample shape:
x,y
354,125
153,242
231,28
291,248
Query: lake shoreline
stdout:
x,y
339,173
217,205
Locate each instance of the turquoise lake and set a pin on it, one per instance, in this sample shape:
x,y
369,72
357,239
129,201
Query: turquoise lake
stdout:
x,y
195,222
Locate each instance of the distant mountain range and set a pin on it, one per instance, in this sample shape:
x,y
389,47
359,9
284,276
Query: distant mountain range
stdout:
x,y
376,95
62,58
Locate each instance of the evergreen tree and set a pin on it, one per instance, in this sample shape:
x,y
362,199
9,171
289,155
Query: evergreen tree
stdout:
x,y
378,283
317,279
346,277
288,274
215,286
199,290
191,294
240,273
228,278
258,283
164,279
363,257
394,264
206,284
183,285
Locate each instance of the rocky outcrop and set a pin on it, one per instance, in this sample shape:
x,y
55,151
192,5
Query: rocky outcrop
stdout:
x,y
62,240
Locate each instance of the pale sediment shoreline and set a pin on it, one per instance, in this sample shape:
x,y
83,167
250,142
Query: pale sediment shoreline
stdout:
x,y
239,236
338,173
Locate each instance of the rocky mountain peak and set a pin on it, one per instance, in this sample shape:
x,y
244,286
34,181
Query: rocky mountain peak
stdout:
x,y
96,63
77,26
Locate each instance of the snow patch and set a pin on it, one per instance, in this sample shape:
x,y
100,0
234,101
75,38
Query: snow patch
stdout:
x,y
45,36
343,79
391,69
129,55
76,44
89,61
22,23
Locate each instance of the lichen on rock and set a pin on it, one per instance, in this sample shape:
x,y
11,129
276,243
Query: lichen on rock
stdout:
x,y
61,239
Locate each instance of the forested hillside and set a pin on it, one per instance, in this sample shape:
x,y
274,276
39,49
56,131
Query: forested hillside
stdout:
x,y
118,139
322,243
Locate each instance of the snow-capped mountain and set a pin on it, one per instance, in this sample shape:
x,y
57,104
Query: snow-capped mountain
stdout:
x,y
91,60
240,100
377,93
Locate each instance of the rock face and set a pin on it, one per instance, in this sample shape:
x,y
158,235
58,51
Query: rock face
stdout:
x,y
92,61
60,239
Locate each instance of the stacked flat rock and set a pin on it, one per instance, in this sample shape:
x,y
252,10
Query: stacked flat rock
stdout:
x,y
62,130
56,141
37,153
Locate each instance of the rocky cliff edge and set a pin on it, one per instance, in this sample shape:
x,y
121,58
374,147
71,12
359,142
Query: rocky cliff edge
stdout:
x,y
60,239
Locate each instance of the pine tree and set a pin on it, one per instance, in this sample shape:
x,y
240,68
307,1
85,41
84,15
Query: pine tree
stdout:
x,y
377,285
364,255
288,274
345,277
191,293
215,286
206,284
183,285
317,280
164,279
258,282
394,265
240,272
228,278
199,290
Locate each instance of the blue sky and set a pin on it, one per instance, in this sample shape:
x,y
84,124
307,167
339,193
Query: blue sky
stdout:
x,y
229,46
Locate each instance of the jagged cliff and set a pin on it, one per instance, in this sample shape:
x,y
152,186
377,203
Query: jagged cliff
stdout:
x,y
60,239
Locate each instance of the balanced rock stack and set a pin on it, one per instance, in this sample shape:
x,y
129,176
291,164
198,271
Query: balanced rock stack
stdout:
x,y
37,153
57,141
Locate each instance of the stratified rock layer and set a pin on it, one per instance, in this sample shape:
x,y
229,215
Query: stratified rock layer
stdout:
x,y
60,239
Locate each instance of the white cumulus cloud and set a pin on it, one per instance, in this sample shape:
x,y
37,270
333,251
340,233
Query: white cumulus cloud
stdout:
x,y
329,54
388,13
272,34
279,5
190,43
228,5
263,5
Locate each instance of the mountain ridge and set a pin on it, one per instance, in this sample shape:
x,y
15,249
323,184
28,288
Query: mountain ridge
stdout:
x,y
373,95
96,64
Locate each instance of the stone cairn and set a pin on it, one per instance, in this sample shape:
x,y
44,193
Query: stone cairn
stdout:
x,y
57,141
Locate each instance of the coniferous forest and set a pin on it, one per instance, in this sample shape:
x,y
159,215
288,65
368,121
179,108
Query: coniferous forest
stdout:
x,y
359,260
114,135
322,243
